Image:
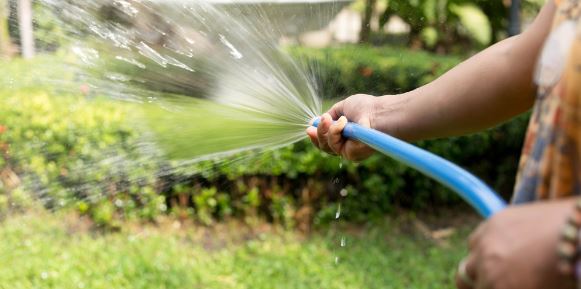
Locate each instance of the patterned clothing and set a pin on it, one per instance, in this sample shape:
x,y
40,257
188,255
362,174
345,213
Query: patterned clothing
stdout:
x,y
550,165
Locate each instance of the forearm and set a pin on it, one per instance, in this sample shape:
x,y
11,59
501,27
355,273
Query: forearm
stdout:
x,y
487,89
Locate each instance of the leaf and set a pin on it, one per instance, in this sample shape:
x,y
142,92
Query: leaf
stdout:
x,y
430,36
475,22
429,8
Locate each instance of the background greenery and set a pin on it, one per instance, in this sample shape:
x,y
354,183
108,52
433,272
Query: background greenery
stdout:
x,y
78,151
50,253
445,25
86,203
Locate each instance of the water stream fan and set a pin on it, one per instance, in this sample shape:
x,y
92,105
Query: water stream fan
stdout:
x,y
470,188
210,79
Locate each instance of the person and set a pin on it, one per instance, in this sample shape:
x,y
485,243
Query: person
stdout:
x,y
532,244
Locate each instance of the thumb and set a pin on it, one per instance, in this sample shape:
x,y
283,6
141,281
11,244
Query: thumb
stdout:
x,y
363,121
336,110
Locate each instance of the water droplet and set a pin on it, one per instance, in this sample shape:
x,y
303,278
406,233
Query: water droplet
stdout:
x,y
172,61
336,181
338,213
117,77
163,207
87,55
344,193
126,8
152,54
343,241
131,61
233,51
341,165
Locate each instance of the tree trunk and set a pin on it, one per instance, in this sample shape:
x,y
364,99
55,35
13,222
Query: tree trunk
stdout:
x,y
4,36
366,22
514,27
25,27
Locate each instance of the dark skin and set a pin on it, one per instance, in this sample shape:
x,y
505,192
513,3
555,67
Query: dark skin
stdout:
x,y
515,249
485,90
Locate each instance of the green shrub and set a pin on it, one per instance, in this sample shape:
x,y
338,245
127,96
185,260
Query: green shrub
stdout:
x,y
373,70
69,150
80,152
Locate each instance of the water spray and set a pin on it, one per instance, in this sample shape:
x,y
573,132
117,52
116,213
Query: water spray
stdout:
x,y
479,195
210,81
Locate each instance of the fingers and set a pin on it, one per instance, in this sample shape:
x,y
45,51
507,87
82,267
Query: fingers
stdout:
x,y
336,110
470,266
348,149
460,284
364,122
312,133
356,151
329,138
335,138
466,274
323,132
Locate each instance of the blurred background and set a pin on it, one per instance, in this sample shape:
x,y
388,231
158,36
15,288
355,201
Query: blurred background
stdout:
x,y
83,206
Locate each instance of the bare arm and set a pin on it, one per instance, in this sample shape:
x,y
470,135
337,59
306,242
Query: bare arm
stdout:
x,y
489,88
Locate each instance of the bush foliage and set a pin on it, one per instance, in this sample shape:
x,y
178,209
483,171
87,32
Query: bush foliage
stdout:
x,y
70,150
372,70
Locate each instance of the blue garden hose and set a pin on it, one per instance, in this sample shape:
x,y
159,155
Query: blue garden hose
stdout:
x,y
469,187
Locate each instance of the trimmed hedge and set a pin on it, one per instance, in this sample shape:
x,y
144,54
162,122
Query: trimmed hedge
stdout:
x,y
348,70
75,152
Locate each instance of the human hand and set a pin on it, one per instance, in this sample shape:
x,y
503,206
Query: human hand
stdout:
x,y
328,136
517,249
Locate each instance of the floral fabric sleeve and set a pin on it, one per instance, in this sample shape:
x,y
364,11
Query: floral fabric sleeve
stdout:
x,y
550,165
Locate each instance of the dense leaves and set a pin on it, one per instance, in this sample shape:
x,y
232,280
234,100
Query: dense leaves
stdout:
x,y
73,150
448,25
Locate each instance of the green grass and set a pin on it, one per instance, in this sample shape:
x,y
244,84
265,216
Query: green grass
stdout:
x,y
42,252
48,251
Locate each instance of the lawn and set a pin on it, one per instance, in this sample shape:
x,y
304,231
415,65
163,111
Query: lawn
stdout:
x,y
57,250
50,251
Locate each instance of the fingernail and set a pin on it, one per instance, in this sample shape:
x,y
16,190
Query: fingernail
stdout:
x,y
341,121
312,122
